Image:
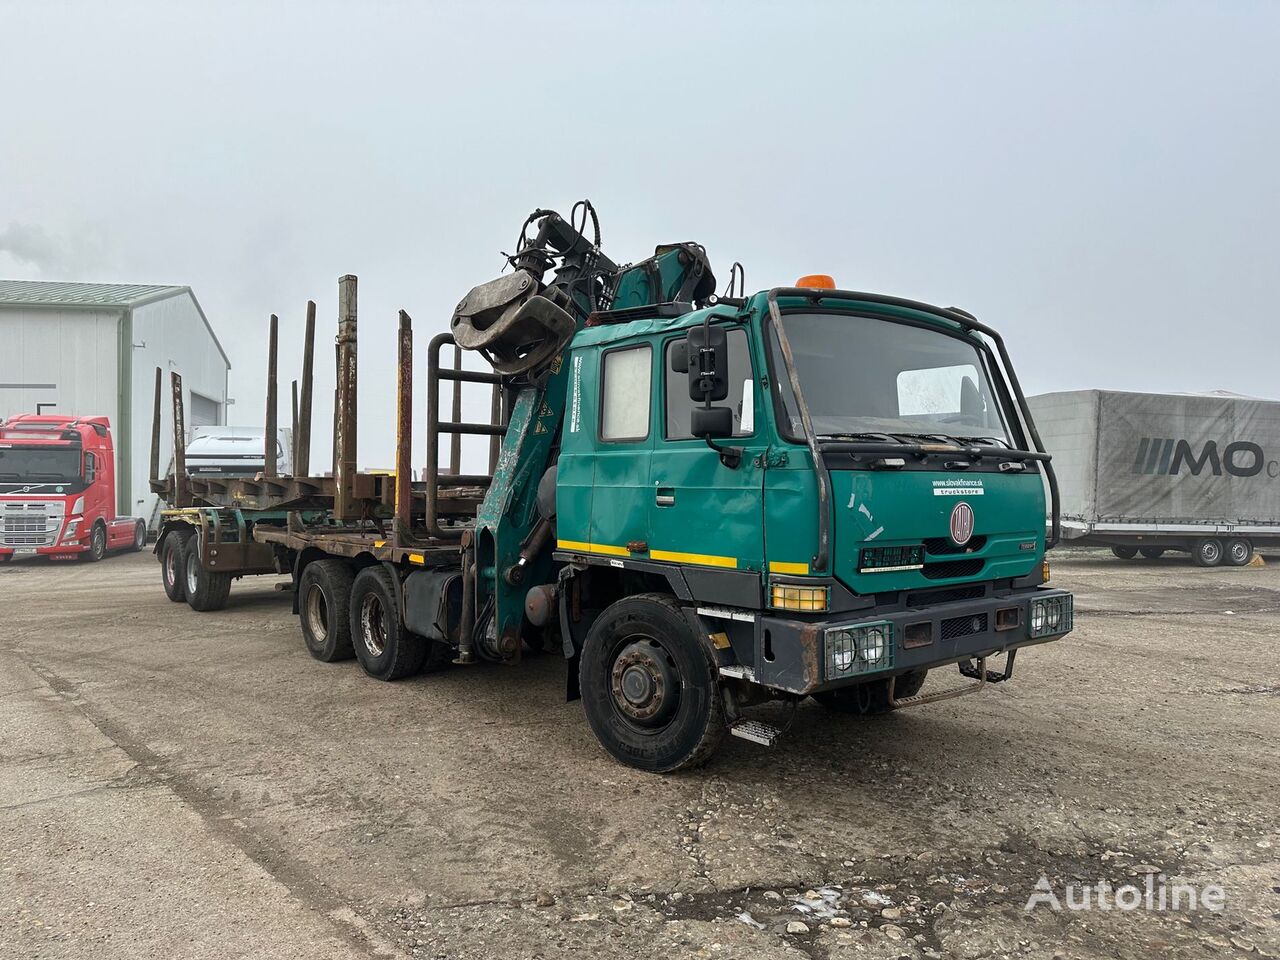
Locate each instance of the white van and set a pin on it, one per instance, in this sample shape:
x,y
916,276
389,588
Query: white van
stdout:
x,y
236,452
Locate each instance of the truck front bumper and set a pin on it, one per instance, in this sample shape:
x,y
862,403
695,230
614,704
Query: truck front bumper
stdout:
x,y
806,657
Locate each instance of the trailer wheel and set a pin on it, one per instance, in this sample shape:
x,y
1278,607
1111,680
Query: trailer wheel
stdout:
x,y
207,590
385,649
1151,553
650,687
1125,553
1239,551
97,544
139,536
324,590
872,697
1207,552
173,564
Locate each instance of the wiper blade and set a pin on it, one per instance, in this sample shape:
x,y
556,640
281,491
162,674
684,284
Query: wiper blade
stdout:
x,y
844,435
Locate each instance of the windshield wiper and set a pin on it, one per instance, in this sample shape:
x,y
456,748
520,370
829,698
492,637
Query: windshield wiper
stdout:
x,y
844,435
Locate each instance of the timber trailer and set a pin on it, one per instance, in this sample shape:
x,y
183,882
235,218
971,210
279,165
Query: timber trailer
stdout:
x,y
706,502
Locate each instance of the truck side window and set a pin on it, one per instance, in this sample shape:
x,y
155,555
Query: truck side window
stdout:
x,y
741,392
624,405
90,467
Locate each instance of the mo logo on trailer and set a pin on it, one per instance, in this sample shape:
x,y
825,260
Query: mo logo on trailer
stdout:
x,y
1240,458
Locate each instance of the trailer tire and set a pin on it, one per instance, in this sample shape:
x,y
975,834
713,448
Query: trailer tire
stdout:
x,y
173,564
1207,552
1125,553
324,592
1239,551
97,543
139,536
650,687
1151,553
206,590
385,649
872,697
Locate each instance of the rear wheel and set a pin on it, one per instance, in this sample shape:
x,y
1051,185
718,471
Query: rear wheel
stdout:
x,y
650,687
1207,552
385,649
324,591
173,565
1152,553
1125,553
1239,551
139,536
865,699
206,589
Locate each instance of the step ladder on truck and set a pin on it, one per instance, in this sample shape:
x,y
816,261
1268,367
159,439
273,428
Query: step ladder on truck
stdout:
x,y
705,502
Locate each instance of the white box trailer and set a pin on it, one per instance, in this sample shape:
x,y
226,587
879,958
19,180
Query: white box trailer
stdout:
x,y
1144,473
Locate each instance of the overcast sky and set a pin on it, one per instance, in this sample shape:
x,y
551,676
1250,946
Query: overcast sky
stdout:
x,y
1097,181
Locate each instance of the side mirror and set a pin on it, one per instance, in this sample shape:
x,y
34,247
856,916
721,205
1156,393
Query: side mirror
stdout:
x,y
709,423
707,359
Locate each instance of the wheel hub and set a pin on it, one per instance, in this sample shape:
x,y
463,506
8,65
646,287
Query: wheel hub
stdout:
x,y
643,683
373,625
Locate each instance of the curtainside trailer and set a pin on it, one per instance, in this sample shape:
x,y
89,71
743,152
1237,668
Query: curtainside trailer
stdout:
x,y
1145,473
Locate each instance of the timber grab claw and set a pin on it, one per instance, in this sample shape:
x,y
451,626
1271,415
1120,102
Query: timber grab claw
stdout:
x,y
514,324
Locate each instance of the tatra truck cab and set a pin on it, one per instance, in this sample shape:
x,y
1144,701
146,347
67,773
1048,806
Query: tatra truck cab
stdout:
x,y
58,491
704,501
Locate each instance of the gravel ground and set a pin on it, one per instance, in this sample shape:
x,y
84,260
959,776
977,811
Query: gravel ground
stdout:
x,y
175,784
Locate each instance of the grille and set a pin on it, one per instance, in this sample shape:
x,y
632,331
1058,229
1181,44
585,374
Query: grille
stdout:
x,y
927,598
14,524
957,627
952,568
26,540
936,546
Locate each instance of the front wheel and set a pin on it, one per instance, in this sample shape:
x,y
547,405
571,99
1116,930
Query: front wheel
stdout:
x,y
97,544
1239,551
206,589
1207,552
650,687
139,536
872,697
1125,553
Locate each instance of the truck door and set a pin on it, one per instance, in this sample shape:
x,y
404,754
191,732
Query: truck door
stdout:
x,y
703,513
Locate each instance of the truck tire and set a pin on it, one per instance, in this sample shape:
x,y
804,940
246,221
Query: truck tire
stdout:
x,y
173,565
97,544
1207,552
324,590
1125,553
872,697
139,536
385,649
1239,551
650,688
1151,553
206,590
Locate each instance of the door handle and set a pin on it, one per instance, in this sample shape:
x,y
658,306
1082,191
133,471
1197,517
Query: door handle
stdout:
x,y
665,496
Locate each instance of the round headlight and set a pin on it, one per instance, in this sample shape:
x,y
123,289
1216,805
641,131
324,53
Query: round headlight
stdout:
x,y
843,660
1037,617
872,646
1053,615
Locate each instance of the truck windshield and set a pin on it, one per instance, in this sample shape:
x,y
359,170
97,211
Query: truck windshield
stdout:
x,y
40,463
864,375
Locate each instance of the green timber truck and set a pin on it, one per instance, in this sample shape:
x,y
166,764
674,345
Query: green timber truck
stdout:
x,y
704,501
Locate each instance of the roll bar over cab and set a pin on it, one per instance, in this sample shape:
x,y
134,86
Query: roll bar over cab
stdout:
x,y
58,491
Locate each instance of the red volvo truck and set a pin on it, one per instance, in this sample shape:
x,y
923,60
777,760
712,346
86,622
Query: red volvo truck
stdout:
x,y
58,490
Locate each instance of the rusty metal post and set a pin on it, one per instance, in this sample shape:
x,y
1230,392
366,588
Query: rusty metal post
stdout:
x,y
302,440
269,441
495,417
455,441
401,529
180,498
344,476
155,429
293,430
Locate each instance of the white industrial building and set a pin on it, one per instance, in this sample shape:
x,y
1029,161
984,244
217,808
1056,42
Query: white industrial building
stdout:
x,y
89,349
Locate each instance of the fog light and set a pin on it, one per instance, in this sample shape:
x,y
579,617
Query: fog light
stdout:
x,y
798,597
1051,616
856,650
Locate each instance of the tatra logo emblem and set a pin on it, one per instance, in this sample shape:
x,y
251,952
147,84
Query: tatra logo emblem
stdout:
x,y
961,524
